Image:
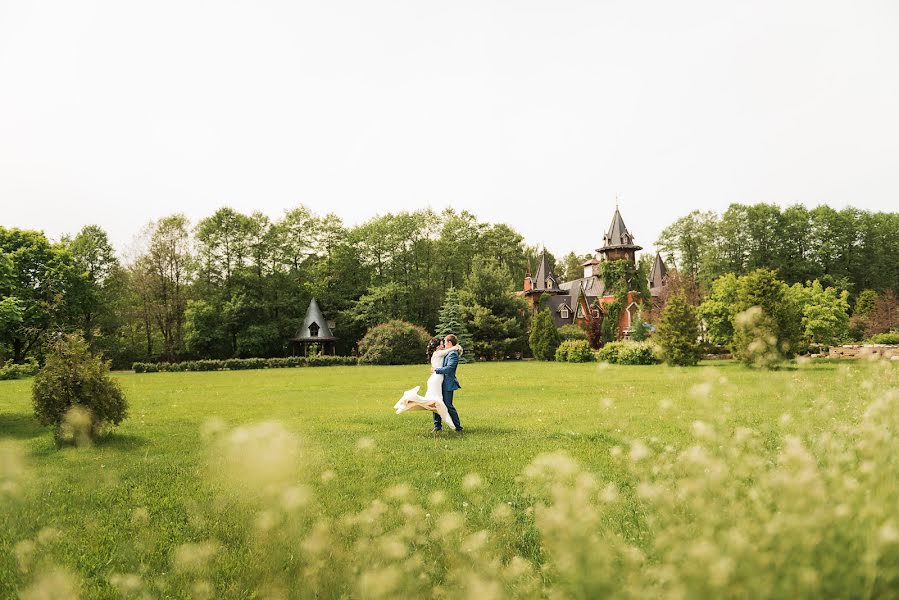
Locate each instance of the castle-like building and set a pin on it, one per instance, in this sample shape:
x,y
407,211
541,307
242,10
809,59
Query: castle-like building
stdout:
x,y
581,301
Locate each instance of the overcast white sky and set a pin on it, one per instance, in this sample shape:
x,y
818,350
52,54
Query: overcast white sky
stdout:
x,y
531,113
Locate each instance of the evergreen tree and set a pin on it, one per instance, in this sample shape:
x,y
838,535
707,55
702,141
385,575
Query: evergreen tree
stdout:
x,y
450,321
544,338
678,333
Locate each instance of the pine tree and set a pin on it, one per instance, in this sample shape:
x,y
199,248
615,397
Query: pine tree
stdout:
x,y
678,332
450,321
544,338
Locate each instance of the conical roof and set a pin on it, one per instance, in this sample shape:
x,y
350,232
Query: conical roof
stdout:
x,y
618,235
315,317
658,272
545,279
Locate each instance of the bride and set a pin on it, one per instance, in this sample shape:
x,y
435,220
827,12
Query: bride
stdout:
x,y
433,398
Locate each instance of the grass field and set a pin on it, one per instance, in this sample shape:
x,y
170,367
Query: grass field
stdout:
x,y
335,495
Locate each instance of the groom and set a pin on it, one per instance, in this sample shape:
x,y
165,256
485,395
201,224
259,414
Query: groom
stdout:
x,y
450,383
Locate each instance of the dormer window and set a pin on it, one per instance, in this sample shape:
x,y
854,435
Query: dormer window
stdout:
x,y
313,329
580,312
564,312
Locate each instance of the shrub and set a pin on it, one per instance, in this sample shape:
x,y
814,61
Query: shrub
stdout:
x,y
544,337
575,351
75,393
572,332
880,338
678,333
394,343
755,339
639,328
628,353
769,310
10,370
609,352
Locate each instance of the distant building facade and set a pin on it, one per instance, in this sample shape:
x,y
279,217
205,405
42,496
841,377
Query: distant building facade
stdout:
x,y
581,301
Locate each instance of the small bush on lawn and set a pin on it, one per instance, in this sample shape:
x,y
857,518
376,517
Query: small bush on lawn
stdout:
x,y
880,338
628,353
572,332
10,370
394,343
575,351
75,394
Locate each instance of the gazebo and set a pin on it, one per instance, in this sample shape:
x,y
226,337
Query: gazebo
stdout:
x,y
314,331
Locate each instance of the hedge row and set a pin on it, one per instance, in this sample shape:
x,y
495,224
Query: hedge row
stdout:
x,y
10,370
241,364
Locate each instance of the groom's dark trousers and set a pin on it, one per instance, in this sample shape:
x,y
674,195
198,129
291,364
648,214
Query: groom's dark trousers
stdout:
x,y
450,385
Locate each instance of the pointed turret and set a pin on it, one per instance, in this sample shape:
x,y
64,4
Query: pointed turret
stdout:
x,y
658,275
618,242
545,279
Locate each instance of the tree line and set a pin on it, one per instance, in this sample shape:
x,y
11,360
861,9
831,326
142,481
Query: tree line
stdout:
x,y
238,285
848,249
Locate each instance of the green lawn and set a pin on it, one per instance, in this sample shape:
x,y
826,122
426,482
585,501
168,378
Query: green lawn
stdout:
x,y
124,507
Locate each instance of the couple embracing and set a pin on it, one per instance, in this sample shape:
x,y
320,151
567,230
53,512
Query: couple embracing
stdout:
x,y
444,358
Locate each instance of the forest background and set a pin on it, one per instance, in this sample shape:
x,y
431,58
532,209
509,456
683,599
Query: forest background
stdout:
x,y
237,285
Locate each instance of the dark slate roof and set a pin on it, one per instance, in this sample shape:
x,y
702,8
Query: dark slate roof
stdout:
x,y
592,286
575,294
658,273
554,304
314,315
618,235
545,279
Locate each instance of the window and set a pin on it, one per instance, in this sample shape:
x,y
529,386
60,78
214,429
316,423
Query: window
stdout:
x,y
632,311
580,312
595,312
564,313
313,329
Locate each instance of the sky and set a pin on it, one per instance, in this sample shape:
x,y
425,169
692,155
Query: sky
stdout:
x,y
535,114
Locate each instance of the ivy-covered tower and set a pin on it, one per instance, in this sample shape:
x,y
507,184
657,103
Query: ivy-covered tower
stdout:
x,y
618,242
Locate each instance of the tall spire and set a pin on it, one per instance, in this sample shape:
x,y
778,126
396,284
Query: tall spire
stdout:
x,y
618,241
658,275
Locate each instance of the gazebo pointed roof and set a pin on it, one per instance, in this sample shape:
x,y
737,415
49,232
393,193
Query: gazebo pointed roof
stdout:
x,y
618,236
315,317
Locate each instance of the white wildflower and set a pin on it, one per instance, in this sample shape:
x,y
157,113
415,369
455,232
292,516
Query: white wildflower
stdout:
x,y
471,482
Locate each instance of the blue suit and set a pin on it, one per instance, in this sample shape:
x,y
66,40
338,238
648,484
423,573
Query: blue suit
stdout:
x,y
450,385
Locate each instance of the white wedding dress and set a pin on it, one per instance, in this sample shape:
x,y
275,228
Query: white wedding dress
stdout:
x,y
433,398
